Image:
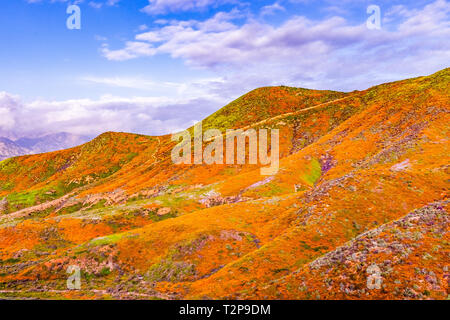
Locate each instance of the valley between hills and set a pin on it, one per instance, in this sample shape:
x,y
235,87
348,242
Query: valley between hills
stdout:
x,y
363,183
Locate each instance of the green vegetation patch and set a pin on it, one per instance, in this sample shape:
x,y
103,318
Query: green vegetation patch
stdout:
x,y
314,172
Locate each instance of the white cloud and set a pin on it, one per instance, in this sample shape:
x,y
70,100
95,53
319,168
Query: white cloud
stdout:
x,y
147,115
133,49
271,9
100,38
143,27
8,111
205,88
99,5
55,1
331,53
96,5
121,82
153,115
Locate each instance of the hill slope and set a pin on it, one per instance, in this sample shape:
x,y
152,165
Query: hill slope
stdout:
x,y
139,226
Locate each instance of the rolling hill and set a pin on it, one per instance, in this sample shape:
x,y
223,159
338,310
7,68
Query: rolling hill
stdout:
x,y
363,183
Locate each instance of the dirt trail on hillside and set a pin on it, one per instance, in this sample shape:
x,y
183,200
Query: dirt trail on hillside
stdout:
x,y
284,115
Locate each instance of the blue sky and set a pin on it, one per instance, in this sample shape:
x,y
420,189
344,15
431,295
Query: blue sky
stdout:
x,y
157,66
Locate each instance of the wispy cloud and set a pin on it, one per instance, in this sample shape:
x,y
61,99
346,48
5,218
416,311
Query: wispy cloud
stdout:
x,y
133,49
193,89
97,4
157,7
271,9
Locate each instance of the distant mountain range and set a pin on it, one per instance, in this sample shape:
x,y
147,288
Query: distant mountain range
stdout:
x,y
47,143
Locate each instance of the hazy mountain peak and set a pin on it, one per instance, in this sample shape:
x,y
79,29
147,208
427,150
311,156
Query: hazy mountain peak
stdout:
x,y
46,143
